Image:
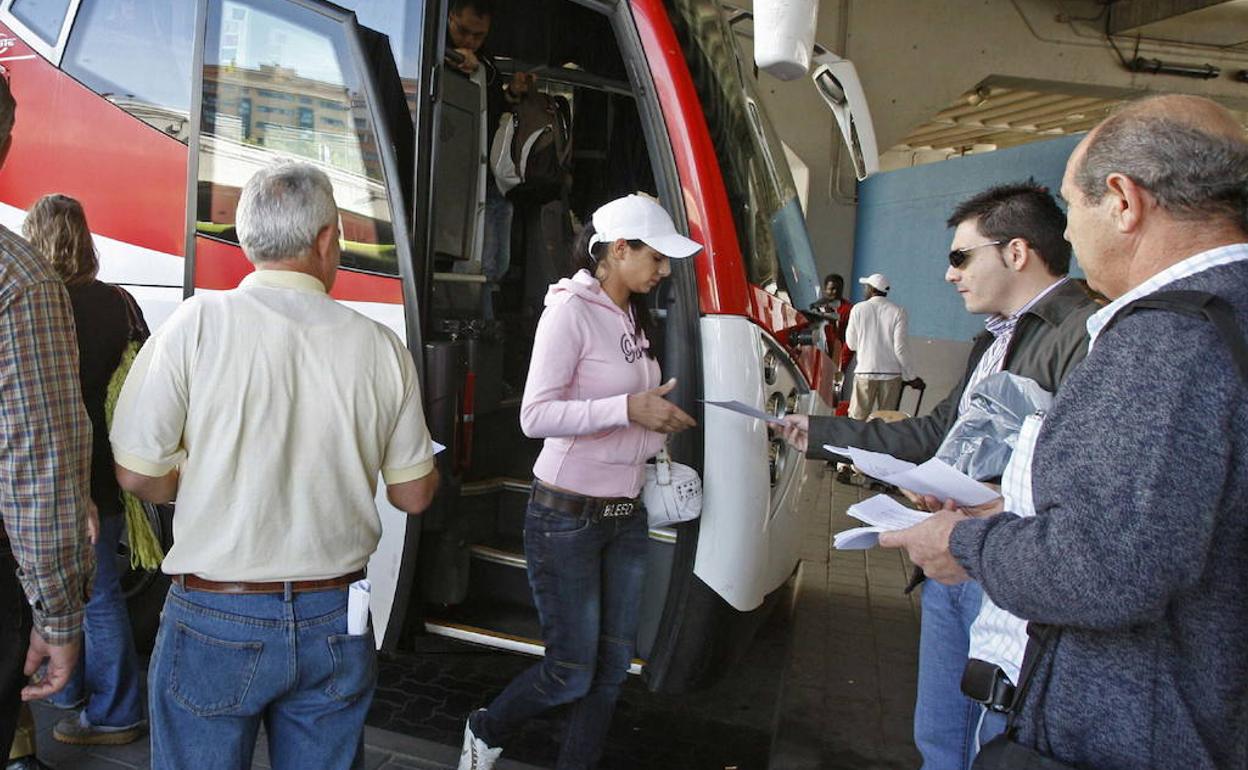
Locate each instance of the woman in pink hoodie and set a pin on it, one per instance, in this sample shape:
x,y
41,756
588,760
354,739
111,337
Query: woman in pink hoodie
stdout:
x,y
593,394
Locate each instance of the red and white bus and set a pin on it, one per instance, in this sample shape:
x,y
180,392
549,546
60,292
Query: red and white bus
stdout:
x,y
154,113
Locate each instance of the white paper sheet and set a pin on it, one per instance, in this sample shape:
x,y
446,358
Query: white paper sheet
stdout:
x,y
746,409
944,482
875,464
357,607
857,539
883,511
934,477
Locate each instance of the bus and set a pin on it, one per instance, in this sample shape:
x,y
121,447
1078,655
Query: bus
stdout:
x,y
154,113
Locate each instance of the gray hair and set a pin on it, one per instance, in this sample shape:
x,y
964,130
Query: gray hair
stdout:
x,y
8,110
281,210
1194,174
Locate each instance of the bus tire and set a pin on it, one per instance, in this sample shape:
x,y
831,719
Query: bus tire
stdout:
x,y
145,590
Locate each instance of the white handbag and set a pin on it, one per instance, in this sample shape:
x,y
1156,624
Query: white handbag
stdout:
x,y
672,492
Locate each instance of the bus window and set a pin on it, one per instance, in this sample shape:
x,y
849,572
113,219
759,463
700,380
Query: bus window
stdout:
x,y
137,54
280,84
758,181
43,17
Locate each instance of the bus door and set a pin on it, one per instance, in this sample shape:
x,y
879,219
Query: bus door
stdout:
x,y
297,80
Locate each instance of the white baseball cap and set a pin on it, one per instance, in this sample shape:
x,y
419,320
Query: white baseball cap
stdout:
x,y
639,217
876,281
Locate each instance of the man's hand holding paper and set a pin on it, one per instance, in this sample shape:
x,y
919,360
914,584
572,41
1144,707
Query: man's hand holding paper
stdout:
x,y
927,544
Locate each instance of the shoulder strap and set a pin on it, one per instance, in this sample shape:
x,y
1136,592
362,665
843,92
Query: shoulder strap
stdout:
x,y
1198,303
1038,637
138,327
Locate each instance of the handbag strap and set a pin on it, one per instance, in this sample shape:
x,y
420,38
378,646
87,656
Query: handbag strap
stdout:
x,y
138,327
663,467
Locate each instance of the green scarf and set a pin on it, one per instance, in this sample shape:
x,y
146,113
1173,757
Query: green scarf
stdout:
x,y
145,550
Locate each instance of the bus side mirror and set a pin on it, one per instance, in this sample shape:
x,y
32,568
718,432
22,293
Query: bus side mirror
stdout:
x,y
837,82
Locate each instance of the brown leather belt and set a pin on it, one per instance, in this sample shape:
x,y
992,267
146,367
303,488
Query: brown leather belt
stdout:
x,y
582,507
196,583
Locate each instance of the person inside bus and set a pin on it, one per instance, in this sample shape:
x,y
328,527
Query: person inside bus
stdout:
x,y
467,26
593,394
106,681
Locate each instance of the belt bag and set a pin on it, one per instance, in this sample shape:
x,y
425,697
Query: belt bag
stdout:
x,y
672,492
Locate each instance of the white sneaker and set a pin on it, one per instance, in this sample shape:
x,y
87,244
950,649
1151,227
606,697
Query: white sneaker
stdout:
x,y
476,753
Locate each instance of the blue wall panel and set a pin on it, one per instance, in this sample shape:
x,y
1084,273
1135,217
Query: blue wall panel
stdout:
x,y
901,228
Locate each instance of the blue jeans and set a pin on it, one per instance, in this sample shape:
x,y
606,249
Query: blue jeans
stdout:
x,y
495,245
107,675
990,724
586,579
225,662
945,720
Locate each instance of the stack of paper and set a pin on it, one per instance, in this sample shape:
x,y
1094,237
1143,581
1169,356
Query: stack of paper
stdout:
x,y
934,477
883,514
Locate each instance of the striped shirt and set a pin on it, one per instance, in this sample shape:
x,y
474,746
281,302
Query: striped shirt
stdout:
x,y
996,635
1002,329
45,441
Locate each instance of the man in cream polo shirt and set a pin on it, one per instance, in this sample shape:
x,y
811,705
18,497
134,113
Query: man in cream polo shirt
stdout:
x,y
268,411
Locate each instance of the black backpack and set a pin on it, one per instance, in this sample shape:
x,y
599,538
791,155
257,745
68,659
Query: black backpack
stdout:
x,y
531,152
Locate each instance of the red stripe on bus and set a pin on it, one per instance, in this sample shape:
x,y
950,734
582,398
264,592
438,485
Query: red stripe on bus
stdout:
x,y
722,287
129,177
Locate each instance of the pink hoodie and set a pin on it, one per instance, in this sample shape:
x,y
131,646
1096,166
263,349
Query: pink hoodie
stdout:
x,y
587,358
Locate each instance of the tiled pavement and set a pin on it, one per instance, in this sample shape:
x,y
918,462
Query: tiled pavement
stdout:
x,y
847,699
384,750
841,699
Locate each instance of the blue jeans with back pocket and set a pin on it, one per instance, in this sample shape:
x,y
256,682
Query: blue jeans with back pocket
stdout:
x,y
223,663
586,579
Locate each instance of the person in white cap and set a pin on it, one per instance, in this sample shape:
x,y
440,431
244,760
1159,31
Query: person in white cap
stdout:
x,y
876,332
593,394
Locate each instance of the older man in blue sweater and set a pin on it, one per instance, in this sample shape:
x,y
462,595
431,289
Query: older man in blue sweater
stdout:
x,y
1137,559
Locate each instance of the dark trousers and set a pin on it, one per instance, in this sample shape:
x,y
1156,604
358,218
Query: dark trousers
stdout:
x,y
587,579
14,639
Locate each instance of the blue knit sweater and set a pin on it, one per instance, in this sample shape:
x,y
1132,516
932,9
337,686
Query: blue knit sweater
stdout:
x,y
1139,551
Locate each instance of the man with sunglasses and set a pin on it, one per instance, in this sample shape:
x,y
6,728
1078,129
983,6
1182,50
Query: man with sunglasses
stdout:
x,y
1008,260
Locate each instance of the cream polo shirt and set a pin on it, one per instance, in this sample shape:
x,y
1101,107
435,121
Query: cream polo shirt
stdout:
x,y
282,406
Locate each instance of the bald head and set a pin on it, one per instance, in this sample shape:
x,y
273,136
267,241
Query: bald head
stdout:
x,y
1195,112
1189,153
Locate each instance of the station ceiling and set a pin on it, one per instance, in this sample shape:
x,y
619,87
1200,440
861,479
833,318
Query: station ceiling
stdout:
x,y
1003,112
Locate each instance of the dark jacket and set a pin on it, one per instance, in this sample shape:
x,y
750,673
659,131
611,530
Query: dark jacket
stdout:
x,y
1049,340
104,328
1139,548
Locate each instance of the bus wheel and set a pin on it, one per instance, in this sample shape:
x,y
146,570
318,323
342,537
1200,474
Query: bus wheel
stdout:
x,y
145,591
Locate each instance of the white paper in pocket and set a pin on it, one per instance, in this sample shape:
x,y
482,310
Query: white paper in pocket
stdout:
x,y
357,607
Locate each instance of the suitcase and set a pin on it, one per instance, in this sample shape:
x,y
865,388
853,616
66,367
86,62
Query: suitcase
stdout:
x,y
918,399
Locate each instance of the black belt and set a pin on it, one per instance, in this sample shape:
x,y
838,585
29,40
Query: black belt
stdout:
x,y
582,507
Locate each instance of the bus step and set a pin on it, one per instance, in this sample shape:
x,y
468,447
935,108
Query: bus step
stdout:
x,y
497,573
501,499
498,639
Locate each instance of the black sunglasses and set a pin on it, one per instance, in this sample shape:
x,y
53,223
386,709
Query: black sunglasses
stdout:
x,y
958,257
